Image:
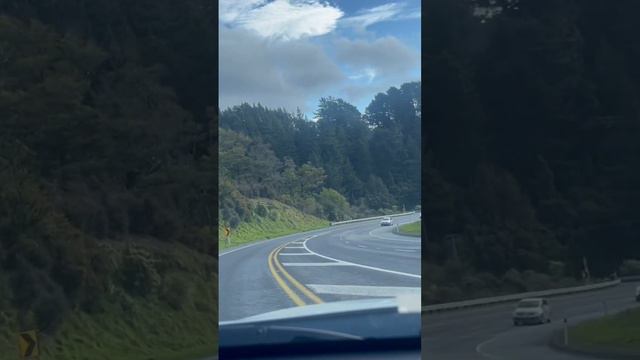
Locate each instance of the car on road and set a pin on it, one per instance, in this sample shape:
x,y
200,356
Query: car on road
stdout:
x,y
638,293
386,221
533,310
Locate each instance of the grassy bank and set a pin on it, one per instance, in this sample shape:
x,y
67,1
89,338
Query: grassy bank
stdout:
x,y
410,229
620,331
270,219
176,319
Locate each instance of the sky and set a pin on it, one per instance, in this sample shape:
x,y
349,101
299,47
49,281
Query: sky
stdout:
x,y
290,53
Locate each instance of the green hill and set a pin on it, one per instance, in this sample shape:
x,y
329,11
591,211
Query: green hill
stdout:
x,y
270,218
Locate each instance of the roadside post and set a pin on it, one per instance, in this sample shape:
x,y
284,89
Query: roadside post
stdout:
x,y
28,345
566,333
605,308
227,232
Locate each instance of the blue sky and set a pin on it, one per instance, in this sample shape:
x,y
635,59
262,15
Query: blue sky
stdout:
x,y
289,53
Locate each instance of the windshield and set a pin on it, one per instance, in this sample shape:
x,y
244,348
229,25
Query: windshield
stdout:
x,y
529,304
310,185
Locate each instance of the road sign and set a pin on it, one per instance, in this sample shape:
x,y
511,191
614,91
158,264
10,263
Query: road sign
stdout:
x,y
28,345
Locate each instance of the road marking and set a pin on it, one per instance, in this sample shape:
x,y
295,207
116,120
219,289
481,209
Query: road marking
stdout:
x,y
361,246
294,247
485,354
287,290
317,264
361,290
295,282
360,265
416,239
294,254
406,250
269,240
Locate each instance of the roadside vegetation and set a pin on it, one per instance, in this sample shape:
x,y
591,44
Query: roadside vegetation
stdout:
x,y
108,178
270,219
341,166
619,331
159,304
530,148
413,228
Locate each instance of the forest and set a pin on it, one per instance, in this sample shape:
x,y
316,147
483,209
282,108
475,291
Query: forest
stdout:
x,y
530,149
108,170
338,166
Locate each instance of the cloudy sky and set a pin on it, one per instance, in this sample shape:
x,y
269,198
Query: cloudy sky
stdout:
x,y
289,53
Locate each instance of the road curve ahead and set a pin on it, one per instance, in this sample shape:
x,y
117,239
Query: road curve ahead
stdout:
x,y
488,332
354,261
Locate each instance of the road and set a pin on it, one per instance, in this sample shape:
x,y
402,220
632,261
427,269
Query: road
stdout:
x,y
488,332
343,262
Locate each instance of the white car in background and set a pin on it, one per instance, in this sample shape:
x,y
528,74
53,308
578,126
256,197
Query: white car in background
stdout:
x,y
534,310
386,221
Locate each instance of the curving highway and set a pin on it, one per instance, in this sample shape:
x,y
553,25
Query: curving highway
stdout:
x,y
355,261
488,333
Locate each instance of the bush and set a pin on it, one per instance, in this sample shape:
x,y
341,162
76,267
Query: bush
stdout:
x,y
138,277
261,210
49,309
234,221
513,279
175,291
630,267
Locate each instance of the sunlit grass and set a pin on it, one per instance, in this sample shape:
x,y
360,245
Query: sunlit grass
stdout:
x,y
620,331
410,229
135,328
281,220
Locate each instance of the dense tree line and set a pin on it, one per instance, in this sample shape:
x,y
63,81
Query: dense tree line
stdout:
x,y
105,135
531,151
341,164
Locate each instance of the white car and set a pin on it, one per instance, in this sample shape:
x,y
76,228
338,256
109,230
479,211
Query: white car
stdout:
x,y
533,310
386,221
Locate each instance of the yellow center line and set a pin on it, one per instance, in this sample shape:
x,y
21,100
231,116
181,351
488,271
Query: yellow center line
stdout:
x,y
293,281
287,290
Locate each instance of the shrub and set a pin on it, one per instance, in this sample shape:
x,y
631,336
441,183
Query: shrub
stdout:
x,y
137,275
175,291
630,267
261,210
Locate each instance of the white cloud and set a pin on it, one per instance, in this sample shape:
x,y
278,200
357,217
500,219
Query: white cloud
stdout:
x,y
281,19
368,73
230,10
387,12
275,74
385,56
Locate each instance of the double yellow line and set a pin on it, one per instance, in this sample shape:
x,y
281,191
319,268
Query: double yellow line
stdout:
x,y
277,269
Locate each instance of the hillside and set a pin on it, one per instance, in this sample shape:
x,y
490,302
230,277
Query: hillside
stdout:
x,y
530,148
107,177
269,219
340,166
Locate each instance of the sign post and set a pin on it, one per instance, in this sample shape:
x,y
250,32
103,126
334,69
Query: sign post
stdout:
x,y
227,232
28,345
566,333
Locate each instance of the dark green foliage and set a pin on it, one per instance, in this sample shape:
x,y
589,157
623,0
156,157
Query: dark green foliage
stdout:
x,y
371,160
105,135
531,148
175,291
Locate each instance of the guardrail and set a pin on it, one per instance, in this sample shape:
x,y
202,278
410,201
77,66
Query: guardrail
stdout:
x,y
370,218
508,298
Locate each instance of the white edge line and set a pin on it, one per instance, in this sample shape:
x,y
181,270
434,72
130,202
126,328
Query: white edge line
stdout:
x,y
484,354
317,264
265,241
359,265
